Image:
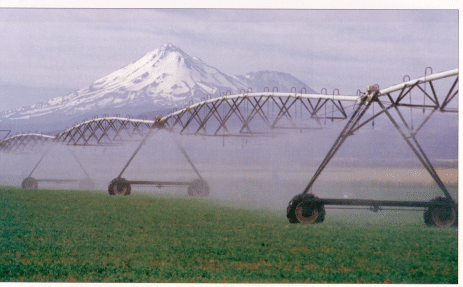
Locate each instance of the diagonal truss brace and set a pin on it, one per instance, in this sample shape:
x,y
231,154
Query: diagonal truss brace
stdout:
x,y
365,103
73,155
157,126
409,135
416,148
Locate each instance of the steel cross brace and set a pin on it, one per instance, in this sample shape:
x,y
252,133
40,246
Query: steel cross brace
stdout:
x,y
142,143
58,180
240,112
449,97
365,103
153,130
417,149
103,132
19,144
352,126
40,160
80,164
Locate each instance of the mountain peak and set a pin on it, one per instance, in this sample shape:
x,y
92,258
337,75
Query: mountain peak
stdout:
x,y
162,52
169,47
162,79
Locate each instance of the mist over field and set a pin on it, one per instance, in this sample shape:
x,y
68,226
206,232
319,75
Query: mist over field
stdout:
x,y
262,172
267,171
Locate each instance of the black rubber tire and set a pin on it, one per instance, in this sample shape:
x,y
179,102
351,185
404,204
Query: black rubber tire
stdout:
x,y
119,186
86,184
30,183
436,216
307,203
427,218
198,188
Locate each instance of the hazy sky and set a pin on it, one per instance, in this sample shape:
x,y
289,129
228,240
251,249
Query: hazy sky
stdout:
x,y
344,49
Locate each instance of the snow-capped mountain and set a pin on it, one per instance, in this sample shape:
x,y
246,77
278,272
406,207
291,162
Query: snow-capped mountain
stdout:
x,y
162,79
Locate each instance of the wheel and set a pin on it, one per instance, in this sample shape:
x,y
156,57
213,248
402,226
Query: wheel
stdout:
x,y
119,186
440,216
427,218
30,183
305,208
198,188
86,184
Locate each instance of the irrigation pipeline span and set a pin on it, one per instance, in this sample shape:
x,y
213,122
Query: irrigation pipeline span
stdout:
x,y
267,113
272,110
211,117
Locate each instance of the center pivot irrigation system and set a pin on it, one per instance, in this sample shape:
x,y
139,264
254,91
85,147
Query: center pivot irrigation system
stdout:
x,y
268,113
23,143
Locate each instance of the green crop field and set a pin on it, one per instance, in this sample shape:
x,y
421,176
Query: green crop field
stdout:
x,y
89,236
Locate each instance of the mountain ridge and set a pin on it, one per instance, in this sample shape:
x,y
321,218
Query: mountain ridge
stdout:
x,y
164,78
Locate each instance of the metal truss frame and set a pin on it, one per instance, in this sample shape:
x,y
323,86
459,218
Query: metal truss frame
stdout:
x,y
155,128
32,183
105,131
234,115
391,100
23,143
231,115
248,113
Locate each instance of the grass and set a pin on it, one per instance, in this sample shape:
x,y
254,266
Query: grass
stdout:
x,y
83,236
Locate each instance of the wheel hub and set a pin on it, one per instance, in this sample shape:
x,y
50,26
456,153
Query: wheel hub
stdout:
x,y
443,216
306,213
